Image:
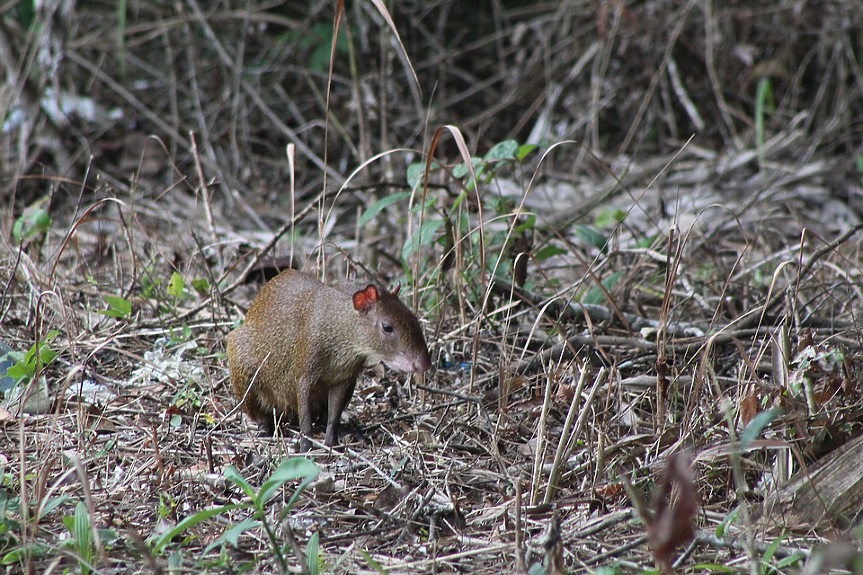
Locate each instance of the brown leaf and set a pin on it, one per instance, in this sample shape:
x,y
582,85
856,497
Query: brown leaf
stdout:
x,y
676,502
748,409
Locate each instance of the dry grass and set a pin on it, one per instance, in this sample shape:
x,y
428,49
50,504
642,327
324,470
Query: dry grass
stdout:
x,y
696,161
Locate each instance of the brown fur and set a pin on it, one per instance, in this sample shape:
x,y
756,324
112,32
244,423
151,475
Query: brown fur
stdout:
x,y
303,345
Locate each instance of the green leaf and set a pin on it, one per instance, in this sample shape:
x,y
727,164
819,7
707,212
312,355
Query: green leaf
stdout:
x,y
769,552
175,288
382,203
201,286
423,206
591,237
461,170
529,223
295,468
722,528
645,243
34,222
712,568
107,536
422,237
162,540
231,536
83,537
595,295
792,559
52,504
548,251
231,474
46,354
505,150
20,371
117,306
26,366
313,560
320,36
754,428
416,172
20,554
372,563
608,217
23,12
524,150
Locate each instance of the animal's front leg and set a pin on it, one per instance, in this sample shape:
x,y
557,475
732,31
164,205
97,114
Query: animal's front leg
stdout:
x,y
339,396
304,397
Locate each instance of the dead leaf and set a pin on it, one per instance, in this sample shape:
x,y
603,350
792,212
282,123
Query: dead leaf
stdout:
x,y
675,504
748,408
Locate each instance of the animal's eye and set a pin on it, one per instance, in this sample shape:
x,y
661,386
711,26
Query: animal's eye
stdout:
x,y
387,328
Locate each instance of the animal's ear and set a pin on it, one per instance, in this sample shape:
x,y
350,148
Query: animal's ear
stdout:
x,y
396,288
366,298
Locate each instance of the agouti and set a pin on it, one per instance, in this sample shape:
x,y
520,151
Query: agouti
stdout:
x,y
303,345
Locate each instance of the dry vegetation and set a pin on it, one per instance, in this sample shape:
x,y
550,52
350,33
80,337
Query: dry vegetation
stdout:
x,y
689,230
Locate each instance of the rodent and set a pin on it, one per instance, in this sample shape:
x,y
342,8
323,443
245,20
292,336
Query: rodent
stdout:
x,y
303,346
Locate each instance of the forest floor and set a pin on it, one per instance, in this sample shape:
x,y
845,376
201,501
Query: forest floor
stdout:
x,y
642,300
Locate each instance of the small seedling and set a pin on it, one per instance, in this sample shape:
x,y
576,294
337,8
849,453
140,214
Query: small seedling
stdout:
x,y
34,223
81,540
176,286
296,468
26,363
117,306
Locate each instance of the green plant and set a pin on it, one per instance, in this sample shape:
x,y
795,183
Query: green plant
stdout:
x,y
201,286
446,221
318,38
37,357
766,568
763,105
81,540
33,223
372,563
9,525
150,285
181,336
11,552
176,291
596,294
712,568
117,306
167,504
296,468
176,286
22,12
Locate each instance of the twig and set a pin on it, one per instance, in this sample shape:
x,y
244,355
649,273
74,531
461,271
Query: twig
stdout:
x,y
708,538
